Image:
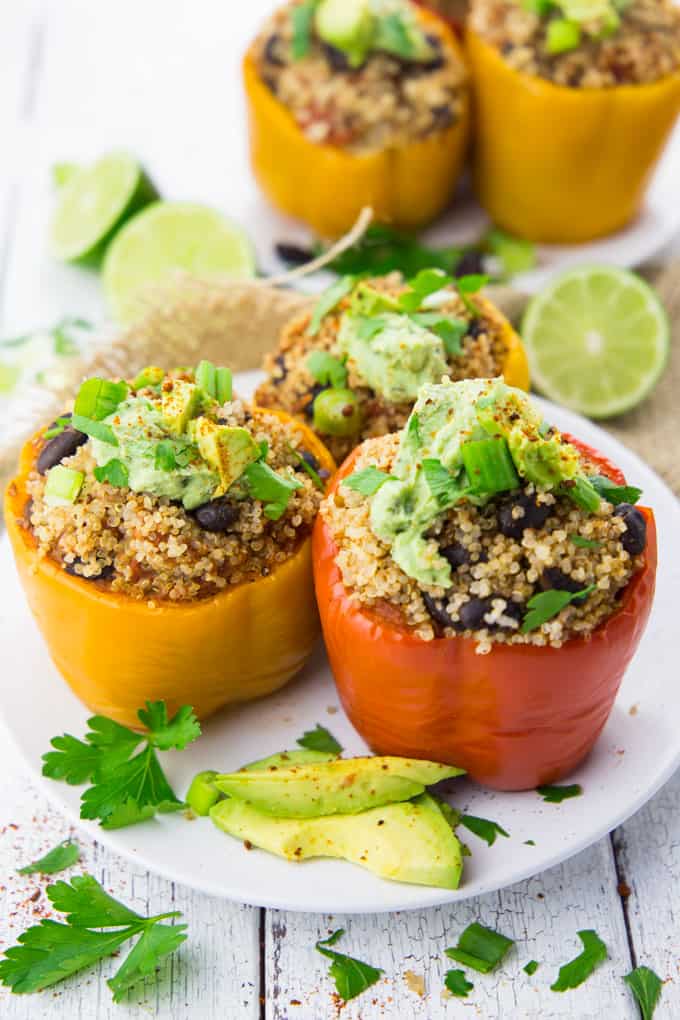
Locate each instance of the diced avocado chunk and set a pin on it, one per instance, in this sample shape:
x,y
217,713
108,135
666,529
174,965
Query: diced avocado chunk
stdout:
x,y
227,449
180,402
348,25
63,485
368,300
562,36
152,375
203,794
343,786
406,842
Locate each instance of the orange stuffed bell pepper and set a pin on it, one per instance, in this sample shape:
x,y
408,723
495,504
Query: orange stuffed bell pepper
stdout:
x,y
520,714
165,603
327,125
561,162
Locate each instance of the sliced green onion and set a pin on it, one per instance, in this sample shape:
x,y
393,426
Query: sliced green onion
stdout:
x,y
205,377
98,398
203,793
223,384
584,494
480,948
152,375
489,465
562,36
63,485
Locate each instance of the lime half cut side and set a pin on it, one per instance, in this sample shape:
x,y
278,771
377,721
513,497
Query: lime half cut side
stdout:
x,y
165,237
93,203
597,339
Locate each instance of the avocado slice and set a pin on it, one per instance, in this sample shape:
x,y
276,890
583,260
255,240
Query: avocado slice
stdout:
x,y
407,842
226,448
180,401
284,759
343,786
348,25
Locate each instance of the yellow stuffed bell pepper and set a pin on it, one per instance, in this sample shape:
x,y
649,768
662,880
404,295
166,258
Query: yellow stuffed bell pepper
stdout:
x,y
116,652
558,164
327,186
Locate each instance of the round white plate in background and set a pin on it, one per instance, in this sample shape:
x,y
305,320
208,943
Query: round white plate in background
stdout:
x,y
638,751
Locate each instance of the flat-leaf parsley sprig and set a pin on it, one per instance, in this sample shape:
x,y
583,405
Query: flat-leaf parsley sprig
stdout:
x,y
51,951
128,785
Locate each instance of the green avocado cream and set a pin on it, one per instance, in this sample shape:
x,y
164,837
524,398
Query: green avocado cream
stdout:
x,y
429,470
397,359
138,427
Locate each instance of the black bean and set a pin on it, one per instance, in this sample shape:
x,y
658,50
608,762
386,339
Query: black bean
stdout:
x,y
336,58
293,253
475,328
56,449
442,117
535,515
415,69
472,613
555,579
280,363
272,51
515,610
472,261
634,538
437,610
105,573
456,554
217,515
310,459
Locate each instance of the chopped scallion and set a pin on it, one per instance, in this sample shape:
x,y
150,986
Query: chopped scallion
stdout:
x,y
63,485
489,465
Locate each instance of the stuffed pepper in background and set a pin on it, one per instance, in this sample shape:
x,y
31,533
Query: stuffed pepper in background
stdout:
x,y
353,368
574,104
483,582
453,11
354,104
162,533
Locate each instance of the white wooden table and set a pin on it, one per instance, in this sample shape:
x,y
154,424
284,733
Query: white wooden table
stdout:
x,y
78,78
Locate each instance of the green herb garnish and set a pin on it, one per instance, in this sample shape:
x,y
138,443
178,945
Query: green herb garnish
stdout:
x,y
547,604
51,951
584,543
114,472
613,493
583,493
471,284
320,739
329,299
484,828
62,856
531,967
529,842
169,455
302,18
352,977
480,948
126,787
270,488
575,972
382,250
646,987
326,369
446,488
95,429
426,282
556,794
448,328
98,398
489,465
57,428
458,984
368,480
214,381
516,255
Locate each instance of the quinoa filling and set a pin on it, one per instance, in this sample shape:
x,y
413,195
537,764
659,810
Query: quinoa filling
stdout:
x,y
172,509
597,45
476,349
527,564
365,98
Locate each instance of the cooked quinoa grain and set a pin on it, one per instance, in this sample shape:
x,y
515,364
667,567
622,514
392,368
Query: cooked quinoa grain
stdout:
x,y
644,48
290,385
387,101
493,574
150,547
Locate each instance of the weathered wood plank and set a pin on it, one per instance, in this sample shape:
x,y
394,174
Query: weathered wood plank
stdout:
x,y
542,915
215,975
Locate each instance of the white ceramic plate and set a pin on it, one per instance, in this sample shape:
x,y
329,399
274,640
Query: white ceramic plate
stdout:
x,y
636,754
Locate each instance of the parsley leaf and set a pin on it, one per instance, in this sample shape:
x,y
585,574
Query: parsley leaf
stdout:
x,y
614,493
320,739
383,249
60,857
127,787
169,455
646,987
367,481
326,369
448,328
51,951
470,284
584,543
531,967
445,488
556,794
98,398
457,983
328,300
351,976
114,472
480,948
484,828
426,282
575,972
95,429
546,604
270,488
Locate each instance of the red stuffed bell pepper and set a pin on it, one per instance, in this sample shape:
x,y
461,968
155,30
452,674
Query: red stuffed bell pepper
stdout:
x,y
515,718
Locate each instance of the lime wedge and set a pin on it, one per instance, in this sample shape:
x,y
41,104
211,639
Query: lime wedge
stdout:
x,y
166,237
93,203
597,339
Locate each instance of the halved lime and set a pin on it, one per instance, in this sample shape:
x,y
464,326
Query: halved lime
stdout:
x,y
597,340
169,236
93,203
